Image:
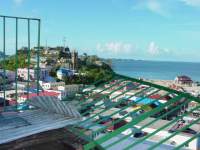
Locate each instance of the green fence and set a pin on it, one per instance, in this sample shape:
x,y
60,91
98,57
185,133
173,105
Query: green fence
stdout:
x,y
99,135
12,24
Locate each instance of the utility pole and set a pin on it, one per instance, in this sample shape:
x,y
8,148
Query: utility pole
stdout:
x,y
46,45
64,43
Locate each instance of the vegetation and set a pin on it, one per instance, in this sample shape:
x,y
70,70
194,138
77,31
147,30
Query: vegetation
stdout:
x,y
2,81
90,68
10,62
89,72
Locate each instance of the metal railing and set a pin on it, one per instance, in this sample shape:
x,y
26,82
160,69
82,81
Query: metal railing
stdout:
x,y
16,21
96,108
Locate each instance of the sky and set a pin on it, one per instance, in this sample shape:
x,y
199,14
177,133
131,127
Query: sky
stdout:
x,y
167,30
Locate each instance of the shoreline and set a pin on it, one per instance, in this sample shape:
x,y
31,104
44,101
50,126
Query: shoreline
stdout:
x,y
192,89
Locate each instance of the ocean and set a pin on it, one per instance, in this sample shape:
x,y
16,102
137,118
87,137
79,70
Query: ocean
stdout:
x,y
156,69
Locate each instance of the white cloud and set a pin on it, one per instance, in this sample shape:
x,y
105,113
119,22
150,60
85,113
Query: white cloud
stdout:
x,y
18,2
115,48
156,6
154,49
195,3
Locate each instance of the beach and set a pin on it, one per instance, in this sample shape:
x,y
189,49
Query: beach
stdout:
x,y
193,89
161,73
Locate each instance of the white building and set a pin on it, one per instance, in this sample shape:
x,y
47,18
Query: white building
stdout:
x,y
70,89
8,93
20,85
51,85
63,72
23,73
52,51
183,80
34,59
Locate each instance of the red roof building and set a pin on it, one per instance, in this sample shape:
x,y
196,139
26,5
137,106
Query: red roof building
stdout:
x,y
183,80
44,93
155,96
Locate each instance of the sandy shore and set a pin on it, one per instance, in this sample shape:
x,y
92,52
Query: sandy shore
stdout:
x,y
172,84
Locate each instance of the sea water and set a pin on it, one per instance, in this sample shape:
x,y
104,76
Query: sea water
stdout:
x,y
156,69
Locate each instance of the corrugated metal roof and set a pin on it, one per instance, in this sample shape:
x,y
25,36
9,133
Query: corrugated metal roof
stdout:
x,y
50,113
173,109
44,93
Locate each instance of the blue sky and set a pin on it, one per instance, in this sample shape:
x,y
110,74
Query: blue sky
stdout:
x,y
135,29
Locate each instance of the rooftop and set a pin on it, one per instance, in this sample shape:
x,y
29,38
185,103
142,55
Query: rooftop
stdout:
x,y
43,93
48,114
101,105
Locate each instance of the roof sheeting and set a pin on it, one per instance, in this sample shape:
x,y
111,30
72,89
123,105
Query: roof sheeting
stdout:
x,y
54,105
50,113
93,107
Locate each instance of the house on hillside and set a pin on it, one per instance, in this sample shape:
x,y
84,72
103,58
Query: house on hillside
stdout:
x,y
70,89
51,51
63,72
51,85
23,73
